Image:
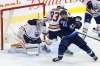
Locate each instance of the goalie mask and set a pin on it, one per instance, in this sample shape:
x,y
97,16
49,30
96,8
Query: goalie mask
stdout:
x,y
32,22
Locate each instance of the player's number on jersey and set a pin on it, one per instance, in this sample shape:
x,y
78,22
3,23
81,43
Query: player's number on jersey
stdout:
x,y
54,15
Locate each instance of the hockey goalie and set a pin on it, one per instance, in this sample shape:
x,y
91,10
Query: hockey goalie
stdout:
x,y
29,36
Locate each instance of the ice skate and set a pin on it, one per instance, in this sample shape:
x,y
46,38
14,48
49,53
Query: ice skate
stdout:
x,y
44,48
57,59
68,52
95,58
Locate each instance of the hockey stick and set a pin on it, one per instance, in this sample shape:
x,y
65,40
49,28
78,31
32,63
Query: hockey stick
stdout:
x,y
89,36
84,36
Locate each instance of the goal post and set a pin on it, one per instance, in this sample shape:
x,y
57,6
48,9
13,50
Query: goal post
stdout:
x,y
13,17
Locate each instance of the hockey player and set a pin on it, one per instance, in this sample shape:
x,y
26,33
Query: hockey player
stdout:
x,y
68,26
29,33
53,19
93,10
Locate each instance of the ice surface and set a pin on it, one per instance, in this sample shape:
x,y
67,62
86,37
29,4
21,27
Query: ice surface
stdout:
x,y
80,58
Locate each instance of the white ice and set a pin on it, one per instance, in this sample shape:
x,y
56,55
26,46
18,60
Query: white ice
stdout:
x,y
80,58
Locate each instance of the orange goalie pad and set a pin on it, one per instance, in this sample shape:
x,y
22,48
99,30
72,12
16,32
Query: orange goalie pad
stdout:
x,y
16,45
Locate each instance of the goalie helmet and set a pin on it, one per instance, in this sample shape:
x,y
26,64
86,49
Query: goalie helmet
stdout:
x,y
32,22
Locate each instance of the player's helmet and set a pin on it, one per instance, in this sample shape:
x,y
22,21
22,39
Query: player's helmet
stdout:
x,y
60,6
63,12
90,5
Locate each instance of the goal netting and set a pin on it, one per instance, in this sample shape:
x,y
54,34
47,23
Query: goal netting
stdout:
x,y
13,17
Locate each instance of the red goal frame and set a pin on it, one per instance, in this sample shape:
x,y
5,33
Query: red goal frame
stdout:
x,y
12,8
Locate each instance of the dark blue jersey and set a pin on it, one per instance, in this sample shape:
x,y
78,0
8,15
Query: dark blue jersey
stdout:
x,y
65,26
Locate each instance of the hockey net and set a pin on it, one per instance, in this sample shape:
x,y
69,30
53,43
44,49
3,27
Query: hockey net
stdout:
x,y
12,18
